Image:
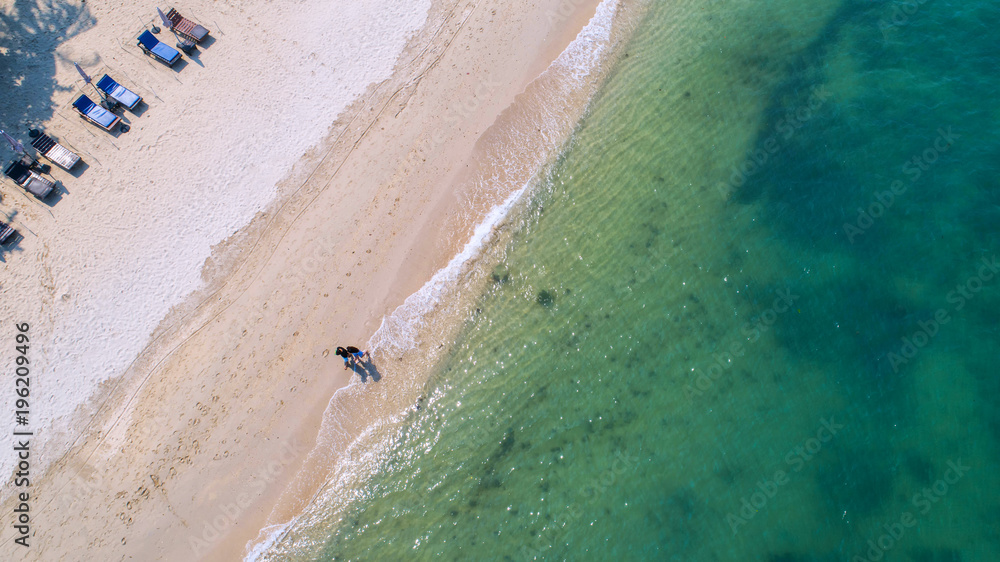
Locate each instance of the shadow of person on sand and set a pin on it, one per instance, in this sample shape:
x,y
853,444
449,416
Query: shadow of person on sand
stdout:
x,y
366,368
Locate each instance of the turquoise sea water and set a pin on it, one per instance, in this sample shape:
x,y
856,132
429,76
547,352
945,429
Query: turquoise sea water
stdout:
x,y
751,315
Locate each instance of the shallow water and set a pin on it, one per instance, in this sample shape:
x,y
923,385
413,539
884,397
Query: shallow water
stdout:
x,y
697,347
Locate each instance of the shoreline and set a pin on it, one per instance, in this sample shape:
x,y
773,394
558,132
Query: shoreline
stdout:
x,y
435,312
164,498
310,481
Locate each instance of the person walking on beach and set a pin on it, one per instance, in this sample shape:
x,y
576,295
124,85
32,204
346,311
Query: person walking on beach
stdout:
x,y
351,353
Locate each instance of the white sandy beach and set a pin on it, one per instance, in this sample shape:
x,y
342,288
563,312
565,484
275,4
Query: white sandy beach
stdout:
x,y
102,263
279,193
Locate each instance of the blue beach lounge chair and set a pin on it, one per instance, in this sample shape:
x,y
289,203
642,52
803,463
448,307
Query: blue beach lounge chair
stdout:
x,y
119,93
152,46
95,113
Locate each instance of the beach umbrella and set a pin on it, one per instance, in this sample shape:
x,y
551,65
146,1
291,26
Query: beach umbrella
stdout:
x,y
166,23
82,73
14,143
87,79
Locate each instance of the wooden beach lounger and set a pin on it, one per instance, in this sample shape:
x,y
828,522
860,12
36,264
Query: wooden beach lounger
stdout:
x,y
55,152
119,93
152,46
95,113
5,232
185,27
31,182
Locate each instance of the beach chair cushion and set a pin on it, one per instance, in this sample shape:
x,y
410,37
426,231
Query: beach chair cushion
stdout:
x,y
119,93
63,157
95,113
162,51
196,31
39,186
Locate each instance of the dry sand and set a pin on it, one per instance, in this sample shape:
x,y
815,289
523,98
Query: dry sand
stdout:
x,y
185,455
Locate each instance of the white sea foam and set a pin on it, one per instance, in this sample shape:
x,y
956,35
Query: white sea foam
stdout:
x,y
398,331
265,539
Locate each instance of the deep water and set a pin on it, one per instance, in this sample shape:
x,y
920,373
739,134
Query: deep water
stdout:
x,y
751,314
